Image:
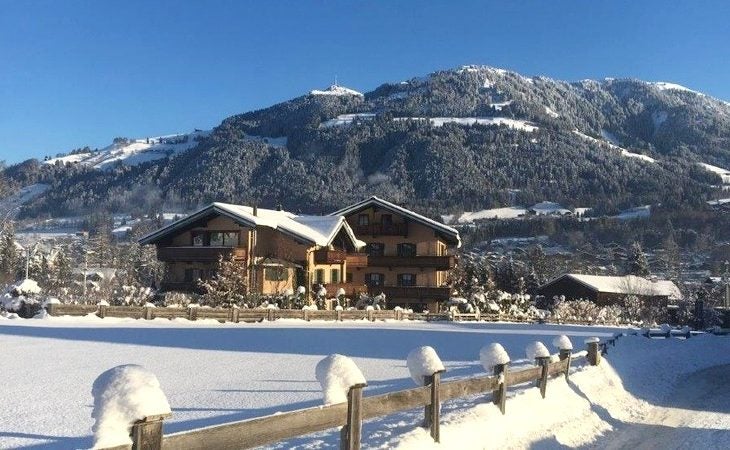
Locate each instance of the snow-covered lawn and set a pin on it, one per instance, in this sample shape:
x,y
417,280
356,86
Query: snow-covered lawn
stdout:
x,y
215,373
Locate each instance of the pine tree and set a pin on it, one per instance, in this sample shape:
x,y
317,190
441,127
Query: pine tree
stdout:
x,y
9,256
637,263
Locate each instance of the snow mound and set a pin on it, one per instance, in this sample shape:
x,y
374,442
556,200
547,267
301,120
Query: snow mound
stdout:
x,y
122,396
591,340
337,374
493,355
422,362
336,90
536,350
25,287
562,342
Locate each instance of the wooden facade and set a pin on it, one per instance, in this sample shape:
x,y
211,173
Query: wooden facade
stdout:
x,y
406,256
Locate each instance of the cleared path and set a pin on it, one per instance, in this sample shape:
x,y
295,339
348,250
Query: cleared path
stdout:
x,y
699,417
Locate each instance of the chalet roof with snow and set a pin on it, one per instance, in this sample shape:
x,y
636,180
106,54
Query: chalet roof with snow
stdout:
x,y
627,285
451,235
315,230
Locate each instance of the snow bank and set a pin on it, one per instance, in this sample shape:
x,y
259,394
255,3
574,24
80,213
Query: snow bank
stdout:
x,y
337,374
562,342
492,355
422,362
536,350
123,395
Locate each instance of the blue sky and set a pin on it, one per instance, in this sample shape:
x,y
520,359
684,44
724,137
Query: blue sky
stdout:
x,y
76,73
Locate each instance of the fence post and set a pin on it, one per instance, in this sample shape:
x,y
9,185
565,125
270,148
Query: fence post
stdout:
x,y
147,433
147,312
566,354
499,396
270,315
350,433
192,313
594,355
370,315
432,412
102,311
306,314
339,315
543,361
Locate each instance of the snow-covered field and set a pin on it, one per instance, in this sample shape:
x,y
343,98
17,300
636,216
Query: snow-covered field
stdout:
x,y
215,373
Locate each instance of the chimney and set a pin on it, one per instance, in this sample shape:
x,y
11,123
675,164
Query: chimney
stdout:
x,y
255,210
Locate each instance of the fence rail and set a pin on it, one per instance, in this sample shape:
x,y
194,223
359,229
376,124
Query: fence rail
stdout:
x,y
283,426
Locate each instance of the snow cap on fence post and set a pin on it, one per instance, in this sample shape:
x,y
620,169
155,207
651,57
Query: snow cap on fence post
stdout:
x,y
537,350
562,342
337,374
492,355
124,395
423,362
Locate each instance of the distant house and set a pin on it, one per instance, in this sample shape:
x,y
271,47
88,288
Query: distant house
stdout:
x,y
605,290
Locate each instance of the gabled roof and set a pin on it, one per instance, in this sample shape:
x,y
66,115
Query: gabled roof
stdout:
x,y
627,284
451,234
315,230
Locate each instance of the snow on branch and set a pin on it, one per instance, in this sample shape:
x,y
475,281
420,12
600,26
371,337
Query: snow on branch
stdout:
x,y
122,396
337,374
423,362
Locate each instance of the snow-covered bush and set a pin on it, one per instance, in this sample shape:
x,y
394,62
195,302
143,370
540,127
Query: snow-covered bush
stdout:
x,y
492,355
423,362
122,396
337,374
130,295
21,298
178,299
583,310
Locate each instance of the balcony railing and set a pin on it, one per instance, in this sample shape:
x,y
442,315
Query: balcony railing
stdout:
x,y
199,254
411,293
325,256
431,262
382,229
357,260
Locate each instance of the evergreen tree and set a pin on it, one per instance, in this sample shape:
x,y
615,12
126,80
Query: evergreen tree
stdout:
x,y
637,262
9,255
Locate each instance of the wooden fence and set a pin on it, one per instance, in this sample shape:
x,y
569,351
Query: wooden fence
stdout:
x,y
260,314
147,433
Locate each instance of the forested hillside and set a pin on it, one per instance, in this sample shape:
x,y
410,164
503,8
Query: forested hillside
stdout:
x,y
463,139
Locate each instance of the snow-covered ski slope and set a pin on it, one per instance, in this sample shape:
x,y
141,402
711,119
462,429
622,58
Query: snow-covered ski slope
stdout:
x,y
215,373
134,151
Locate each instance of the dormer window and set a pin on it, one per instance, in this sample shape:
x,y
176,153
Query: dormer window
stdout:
x,y
363,220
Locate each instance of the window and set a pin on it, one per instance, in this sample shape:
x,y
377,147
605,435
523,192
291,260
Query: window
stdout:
x,y
348,277
363,220
216,239
406,249
376,249
335,276
230,239
386,219
374,279
406,279
198,238
275,274
319,276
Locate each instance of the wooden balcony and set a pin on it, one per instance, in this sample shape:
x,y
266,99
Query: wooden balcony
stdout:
x,y
382,229
357,260
428,262
325,256
199,254
412,293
